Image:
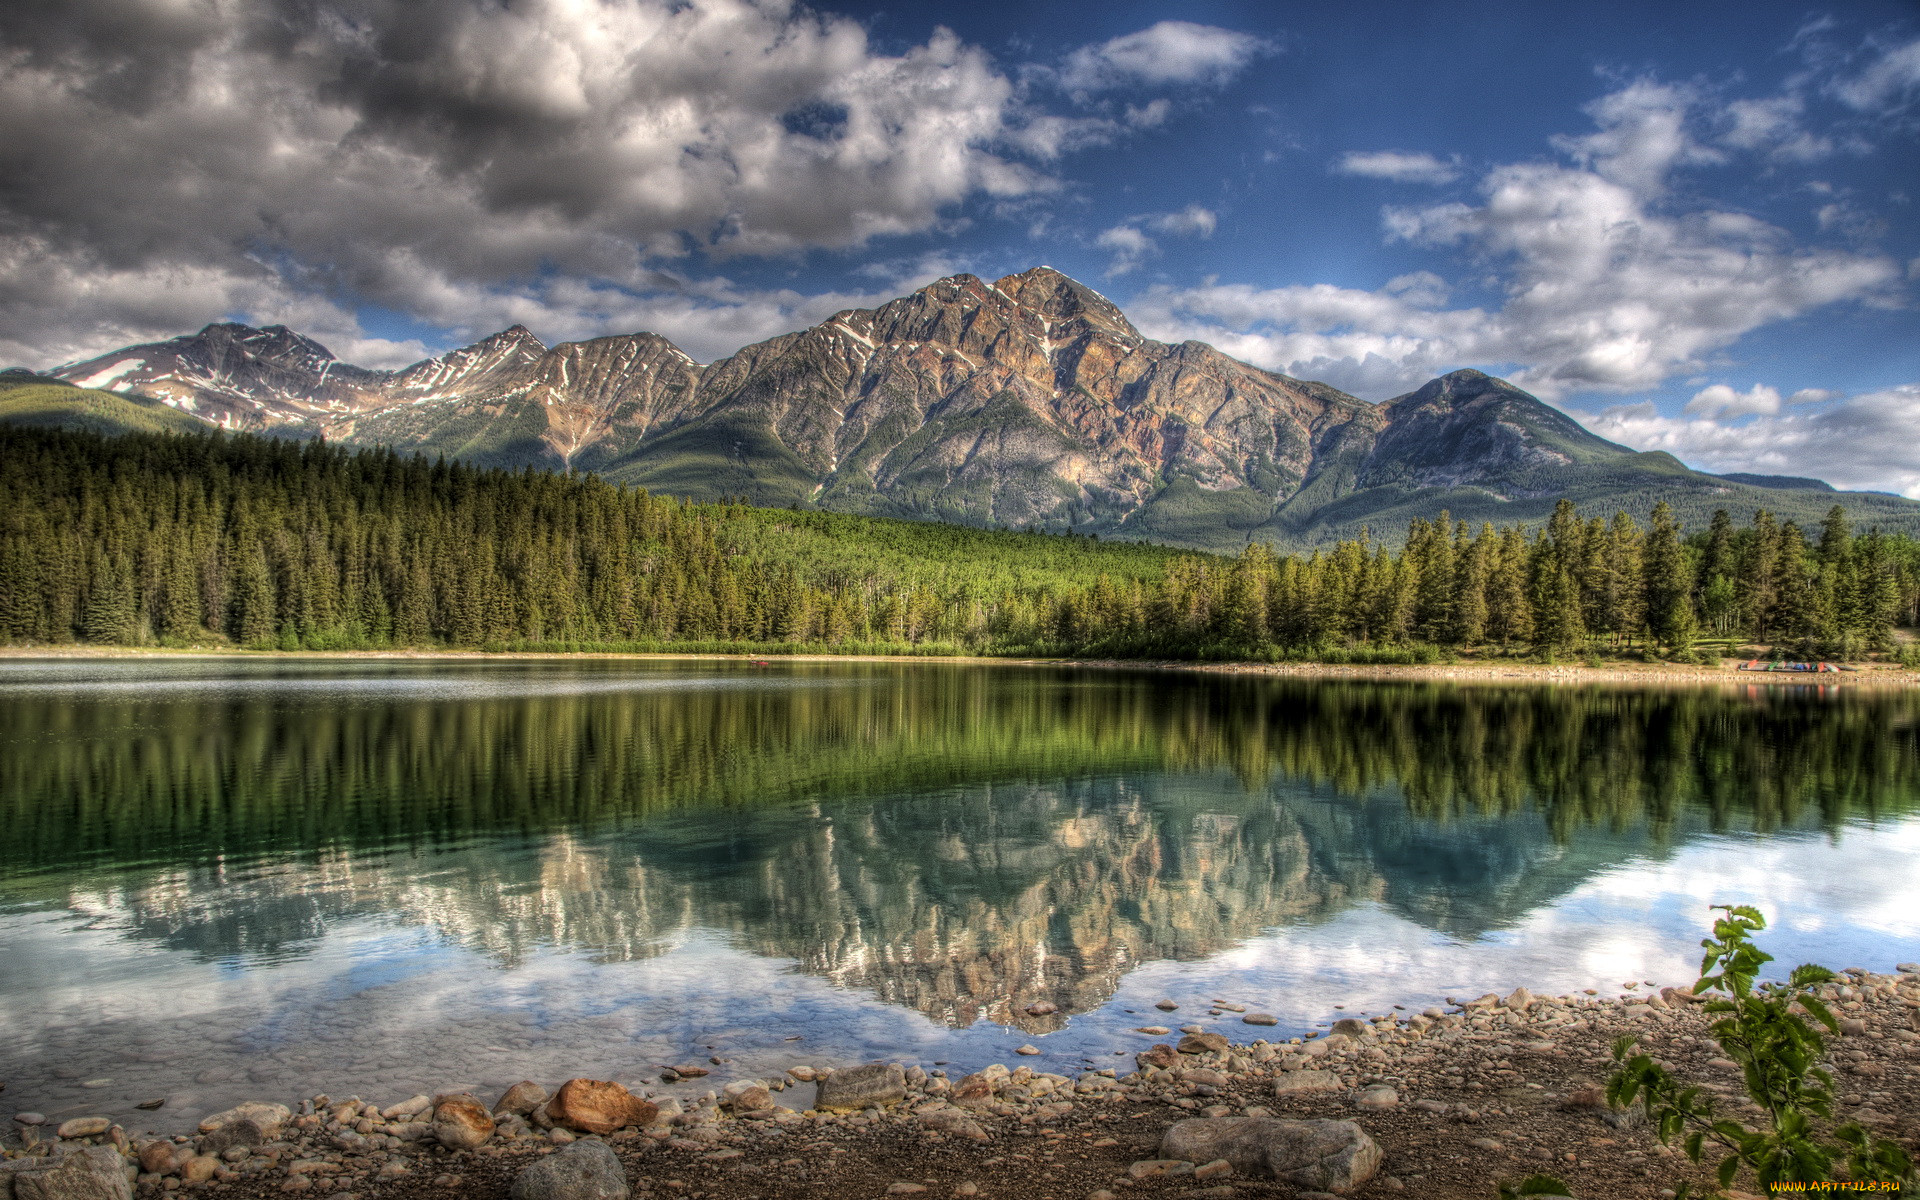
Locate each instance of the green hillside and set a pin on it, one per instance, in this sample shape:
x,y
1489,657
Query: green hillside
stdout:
x,y
32,400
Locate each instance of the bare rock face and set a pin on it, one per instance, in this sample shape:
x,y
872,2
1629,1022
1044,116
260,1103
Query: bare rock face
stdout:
x,y
461,1122
850,1089
1030,400
598,1106
1323,1156
586,1170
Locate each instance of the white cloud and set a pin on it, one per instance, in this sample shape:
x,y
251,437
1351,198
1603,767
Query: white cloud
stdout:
x,y
1131,246
1863,442
1191,221
1886,85
1170,52
1400,166
1606,287
1719,400
390,150
1771,125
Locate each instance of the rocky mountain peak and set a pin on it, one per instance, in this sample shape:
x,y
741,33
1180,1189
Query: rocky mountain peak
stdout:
x,y
1058,298
272,343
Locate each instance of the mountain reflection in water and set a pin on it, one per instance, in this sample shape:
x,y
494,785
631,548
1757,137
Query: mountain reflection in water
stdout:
x,y
956,840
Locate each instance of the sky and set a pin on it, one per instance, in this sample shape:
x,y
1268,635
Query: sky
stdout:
x,y
1692,226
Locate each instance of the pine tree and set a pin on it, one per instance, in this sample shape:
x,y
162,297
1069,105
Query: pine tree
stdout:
x,y
1668,585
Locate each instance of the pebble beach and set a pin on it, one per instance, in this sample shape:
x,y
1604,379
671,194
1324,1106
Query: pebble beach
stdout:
x,y
1443,1102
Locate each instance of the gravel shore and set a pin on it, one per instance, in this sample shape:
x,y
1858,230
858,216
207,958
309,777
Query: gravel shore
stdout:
x,y
1464,670
1435,1104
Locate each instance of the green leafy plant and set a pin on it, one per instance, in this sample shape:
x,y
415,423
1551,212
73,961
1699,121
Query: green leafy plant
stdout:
x,y
1763,1028
1534,1185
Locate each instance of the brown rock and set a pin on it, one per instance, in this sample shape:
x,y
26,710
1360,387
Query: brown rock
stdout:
x,y
1202,1043
81,1127
157,1158
972,1092
749,1099
461,1122
598,1106
1042,1008
521,1099
1158,1055
199,1168
690,1071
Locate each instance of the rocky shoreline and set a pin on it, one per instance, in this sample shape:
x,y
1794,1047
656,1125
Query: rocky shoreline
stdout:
x,y
1439,1103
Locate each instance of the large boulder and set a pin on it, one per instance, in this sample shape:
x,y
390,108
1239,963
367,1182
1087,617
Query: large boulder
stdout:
x,y
95,1173
597,1106
1321,1156
269,1117
586,1170
461,1122
850,1089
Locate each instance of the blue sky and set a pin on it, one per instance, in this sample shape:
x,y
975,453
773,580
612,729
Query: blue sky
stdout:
x,y
1692,226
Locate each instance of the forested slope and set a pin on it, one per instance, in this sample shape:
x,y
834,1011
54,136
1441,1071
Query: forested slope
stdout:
x,y
214,539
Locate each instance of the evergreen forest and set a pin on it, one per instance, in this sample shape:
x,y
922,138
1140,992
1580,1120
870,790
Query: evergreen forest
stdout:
x,y
211,539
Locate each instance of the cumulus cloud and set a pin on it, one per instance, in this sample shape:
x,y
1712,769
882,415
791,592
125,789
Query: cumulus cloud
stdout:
x,y
1191,221
1131,246
374,149
1889,83
1606,286
1170,52
1400,166
1864,441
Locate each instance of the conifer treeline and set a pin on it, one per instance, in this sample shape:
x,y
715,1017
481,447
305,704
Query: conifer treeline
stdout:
x,y
183,540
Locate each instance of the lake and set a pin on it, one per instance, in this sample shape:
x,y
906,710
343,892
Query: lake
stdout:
x,y
233,878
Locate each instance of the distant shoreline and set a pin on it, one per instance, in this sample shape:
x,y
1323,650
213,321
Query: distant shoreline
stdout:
x,y
1468,671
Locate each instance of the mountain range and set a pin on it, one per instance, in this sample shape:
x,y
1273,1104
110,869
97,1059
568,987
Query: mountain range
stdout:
x,y
1028,401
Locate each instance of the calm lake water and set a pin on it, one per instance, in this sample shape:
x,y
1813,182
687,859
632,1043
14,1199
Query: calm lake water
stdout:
x,y
225,878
